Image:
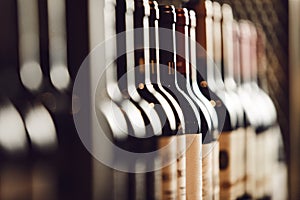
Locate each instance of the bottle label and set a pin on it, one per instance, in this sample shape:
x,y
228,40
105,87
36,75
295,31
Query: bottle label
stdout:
x,y
280,182
233,192
232,162
207,166
181,167
267,146
194,166
169,172
276,169
216,170
140,181
260,163
250,161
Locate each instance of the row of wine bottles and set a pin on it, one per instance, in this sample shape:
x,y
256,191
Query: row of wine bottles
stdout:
x,y
40,52
182,84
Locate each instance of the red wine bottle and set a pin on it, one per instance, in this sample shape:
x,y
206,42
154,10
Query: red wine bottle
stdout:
x,y
155,80
191,114
183,80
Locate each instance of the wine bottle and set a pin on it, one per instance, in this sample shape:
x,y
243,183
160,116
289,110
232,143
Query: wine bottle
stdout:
x,y
155,80
142,62
15,153
183,79
268,136
30,73
167,69
114,97
59,73
235,178
220,108
166,73
208,15
199,72
252,113
274,148
249,46
262,130
109,114
113,92
147,91
41,144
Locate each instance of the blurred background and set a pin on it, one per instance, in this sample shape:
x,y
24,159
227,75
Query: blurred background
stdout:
x,y
42,45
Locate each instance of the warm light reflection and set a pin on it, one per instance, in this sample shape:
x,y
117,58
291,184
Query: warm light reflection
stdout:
x,y
60,77
29,45
12,130
59,73
31,75
41,128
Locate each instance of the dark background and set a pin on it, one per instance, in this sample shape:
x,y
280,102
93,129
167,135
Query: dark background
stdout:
x,y
70,161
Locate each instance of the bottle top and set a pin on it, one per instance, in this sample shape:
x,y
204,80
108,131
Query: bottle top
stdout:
x,y
244,29
193,19
154,11
217,12
167,14
144,5
182,16
182,21
129,6
208,8
227,12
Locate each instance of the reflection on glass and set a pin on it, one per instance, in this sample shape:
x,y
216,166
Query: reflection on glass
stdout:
x,y
12,130
41,128
59,73
30,69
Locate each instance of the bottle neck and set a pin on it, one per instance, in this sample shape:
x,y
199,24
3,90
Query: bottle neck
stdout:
x,y
236,54
154,46
142,44
166,57
218,46
121,44
166,45
182,55
110,53
204,36
262,60
245,61
193,56
130,43
167,74
253,55
228,55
